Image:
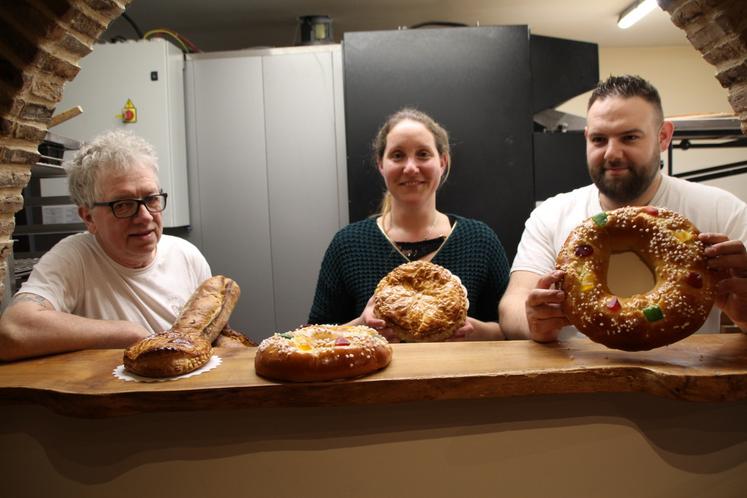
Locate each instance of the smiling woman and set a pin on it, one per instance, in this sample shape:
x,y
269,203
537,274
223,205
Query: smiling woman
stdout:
x,y
412,154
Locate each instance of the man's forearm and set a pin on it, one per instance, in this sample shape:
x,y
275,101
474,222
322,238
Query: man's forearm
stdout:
x,y
27,330
513,318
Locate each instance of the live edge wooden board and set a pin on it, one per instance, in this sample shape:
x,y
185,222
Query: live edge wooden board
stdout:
x,y
699,368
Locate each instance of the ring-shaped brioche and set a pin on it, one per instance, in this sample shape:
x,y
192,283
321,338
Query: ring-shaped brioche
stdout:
x,y
421,302
321,353
667,242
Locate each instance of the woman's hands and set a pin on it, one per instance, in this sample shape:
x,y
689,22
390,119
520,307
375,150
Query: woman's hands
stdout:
x,y
472,330
476,330
370,319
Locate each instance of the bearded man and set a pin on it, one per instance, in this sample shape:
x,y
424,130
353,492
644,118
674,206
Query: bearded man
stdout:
x,y
625,135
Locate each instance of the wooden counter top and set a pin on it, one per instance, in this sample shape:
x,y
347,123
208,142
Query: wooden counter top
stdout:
x,y
699,368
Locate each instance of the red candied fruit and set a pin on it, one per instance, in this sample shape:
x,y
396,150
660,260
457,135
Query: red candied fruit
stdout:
x,y
650,210
583,250
694,279
341,341
613,304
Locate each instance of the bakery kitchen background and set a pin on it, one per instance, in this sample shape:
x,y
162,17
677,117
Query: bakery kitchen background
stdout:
x,y
264,151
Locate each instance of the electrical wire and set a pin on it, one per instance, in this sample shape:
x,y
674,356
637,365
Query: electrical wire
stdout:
x,y
189,43
133,24
182,41
164,33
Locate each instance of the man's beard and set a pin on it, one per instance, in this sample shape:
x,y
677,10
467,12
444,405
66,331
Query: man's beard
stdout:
x,y
625,189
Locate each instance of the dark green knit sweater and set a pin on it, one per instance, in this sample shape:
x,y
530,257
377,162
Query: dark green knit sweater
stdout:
x,y
359,256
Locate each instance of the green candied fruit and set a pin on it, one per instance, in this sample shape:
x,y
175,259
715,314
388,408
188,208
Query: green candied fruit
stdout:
x,y
600,219
653,313
286,335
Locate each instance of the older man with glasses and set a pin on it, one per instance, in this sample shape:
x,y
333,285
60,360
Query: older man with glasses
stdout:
x,y
119,281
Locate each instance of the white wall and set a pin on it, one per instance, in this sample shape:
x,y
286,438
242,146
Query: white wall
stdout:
x,y
686,82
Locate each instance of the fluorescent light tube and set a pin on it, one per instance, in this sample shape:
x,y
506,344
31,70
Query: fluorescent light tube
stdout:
x,y
635,13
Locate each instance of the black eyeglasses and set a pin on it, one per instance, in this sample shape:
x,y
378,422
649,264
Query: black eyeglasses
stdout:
x,y
126,208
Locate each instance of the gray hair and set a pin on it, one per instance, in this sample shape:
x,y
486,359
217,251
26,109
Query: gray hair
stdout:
x,y
117,150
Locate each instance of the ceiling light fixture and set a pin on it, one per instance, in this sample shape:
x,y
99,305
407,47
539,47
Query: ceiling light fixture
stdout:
x,y
635,12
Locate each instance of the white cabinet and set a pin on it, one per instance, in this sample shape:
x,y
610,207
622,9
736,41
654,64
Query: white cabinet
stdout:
x,y
268,182
149,74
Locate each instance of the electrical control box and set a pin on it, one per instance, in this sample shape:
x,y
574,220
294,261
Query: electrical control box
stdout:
x,y
139,86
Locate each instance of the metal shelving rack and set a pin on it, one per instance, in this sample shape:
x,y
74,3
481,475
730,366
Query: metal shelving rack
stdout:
x,y
699,133
32,236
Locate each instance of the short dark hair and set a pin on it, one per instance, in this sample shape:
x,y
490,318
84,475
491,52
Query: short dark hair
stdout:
x,y
627,86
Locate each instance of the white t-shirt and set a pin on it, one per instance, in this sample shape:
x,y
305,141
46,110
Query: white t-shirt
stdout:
x,y
78,277
711,210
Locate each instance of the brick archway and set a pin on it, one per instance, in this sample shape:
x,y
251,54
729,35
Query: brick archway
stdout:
x,y
718,30
41,42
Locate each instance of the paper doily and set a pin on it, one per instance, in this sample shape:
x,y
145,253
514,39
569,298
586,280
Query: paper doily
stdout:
x,y
123,374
